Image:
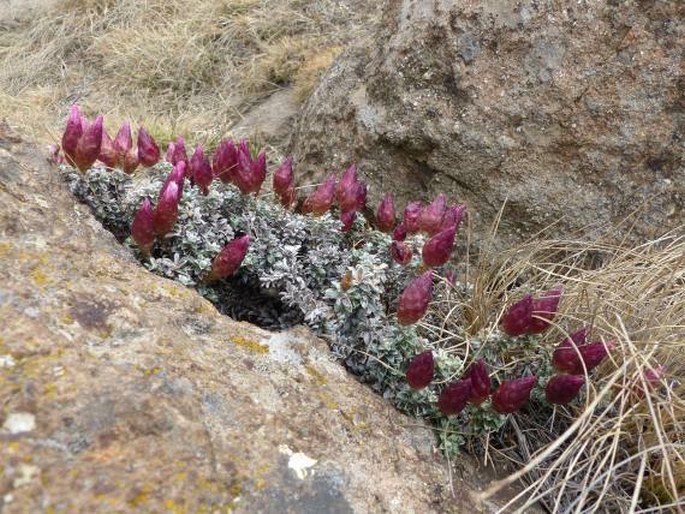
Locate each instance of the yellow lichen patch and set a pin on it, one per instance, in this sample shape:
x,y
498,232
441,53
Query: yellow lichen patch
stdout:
x,y
40,278
174,508
318,377
250,344
328,402
140,496
5,248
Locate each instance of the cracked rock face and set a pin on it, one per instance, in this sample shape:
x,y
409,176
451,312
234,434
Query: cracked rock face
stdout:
x,y
572,113
121,391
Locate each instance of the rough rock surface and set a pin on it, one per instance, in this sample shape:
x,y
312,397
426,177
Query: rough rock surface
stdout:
x,y
121,391
572,111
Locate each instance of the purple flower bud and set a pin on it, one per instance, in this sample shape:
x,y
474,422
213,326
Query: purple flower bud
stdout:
x,y
284,178
453,217
563,388
347,219
652,377
544,309
480,382
249,174
143,227
289,197
569,356
517,318
177,174
225,161
411,217
88,148
148,151
431,216
454,397
436,251
400,252
201,170
400,232
349,178
227,262
108,153
177,151
415,298
130,161
353,198
72,134
420,370
123,142
321,199
166,212
385,214
511,395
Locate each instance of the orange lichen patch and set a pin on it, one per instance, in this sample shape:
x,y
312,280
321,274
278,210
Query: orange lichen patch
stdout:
x,y
318,377
250,344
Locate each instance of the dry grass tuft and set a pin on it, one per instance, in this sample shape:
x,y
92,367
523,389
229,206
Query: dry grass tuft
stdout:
x,y
191,65
620,451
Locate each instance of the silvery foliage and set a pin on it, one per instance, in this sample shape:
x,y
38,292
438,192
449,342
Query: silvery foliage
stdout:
x,y
298,269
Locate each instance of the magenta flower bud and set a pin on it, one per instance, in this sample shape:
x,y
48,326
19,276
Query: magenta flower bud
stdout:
x,y
400,252
592,355
420,370
436,251
148,151
130,161
284,178
123,141
562,389
177,174
108,153
353,198
347,219
430,217
201,170
566,357
143,227
544,309
72,134
480,382
321,199
225,161
250,174
385,214
348,179
453,217
289,198
411,217
511,395
400,232
517,318
166,212
652,377
453,398
415,298
176,151
229,259
88,148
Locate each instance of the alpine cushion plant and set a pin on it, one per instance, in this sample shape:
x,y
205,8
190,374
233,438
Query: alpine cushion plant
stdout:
x,y
324,264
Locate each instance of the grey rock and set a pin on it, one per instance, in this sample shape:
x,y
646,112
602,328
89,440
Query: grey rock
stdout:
x,y
572,113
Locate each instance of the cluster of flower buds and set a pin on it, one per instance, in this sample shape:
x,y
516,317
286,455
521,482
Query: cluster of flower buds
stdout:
x,y
350,193
475,387
81,140
574,355
531,315
200,170
84,143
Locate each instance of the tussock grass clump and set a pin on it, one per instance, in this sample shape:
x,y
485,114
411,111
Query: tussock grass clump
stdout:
x,y
620,450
